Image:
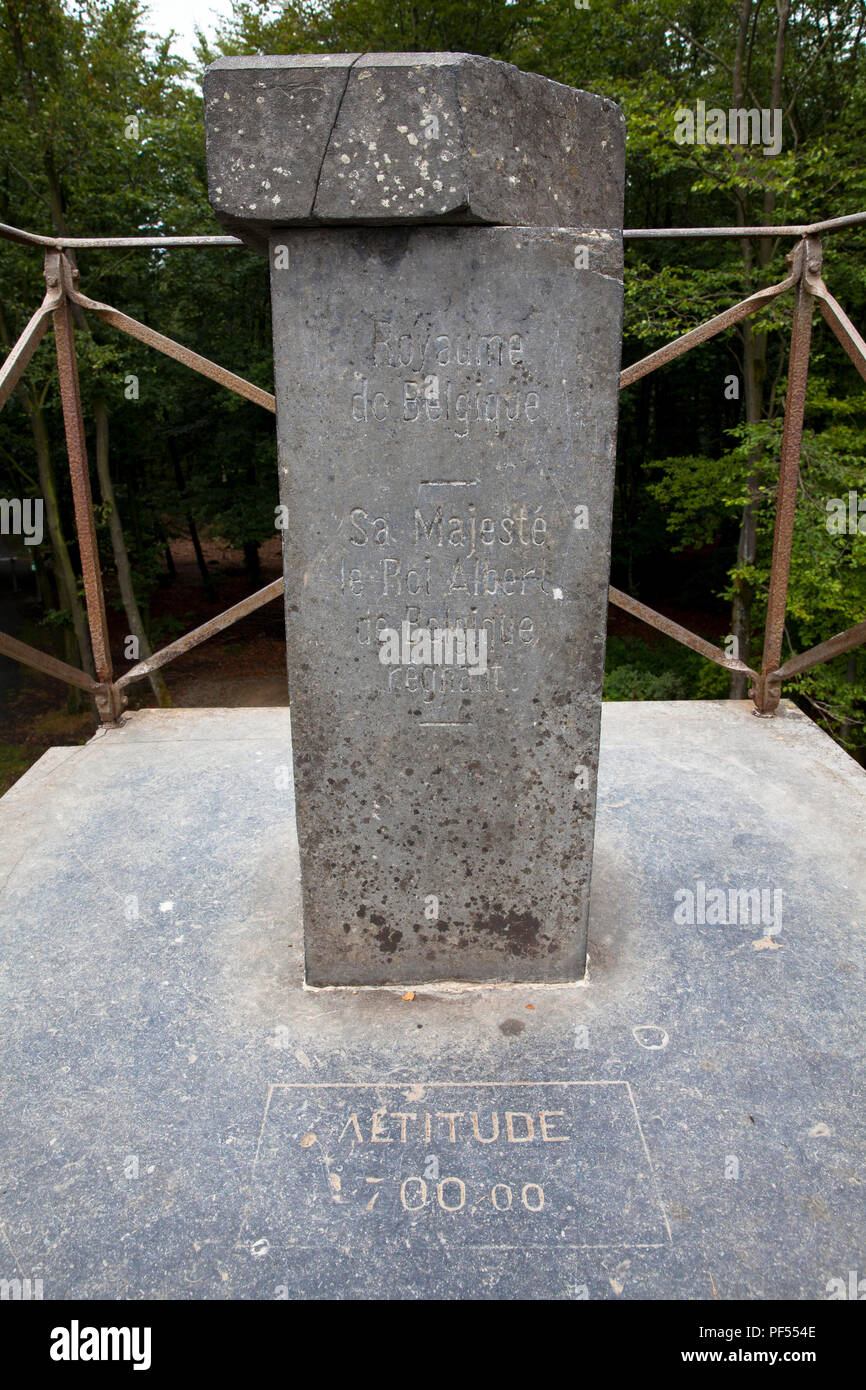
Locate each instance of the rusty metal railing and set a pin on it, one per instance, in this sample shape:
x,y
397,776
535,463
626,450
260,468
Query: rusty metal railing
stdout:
x,y
62,277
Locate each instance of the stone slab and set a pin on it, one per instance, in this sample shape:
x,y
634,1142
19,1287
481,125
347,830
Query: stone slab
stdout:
x,y
446,418
161,1055
407,138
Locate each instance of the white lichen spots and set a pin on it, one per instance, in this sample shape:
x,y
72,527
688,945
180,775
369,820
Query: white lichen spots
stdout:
x,y
412,138
275,199
380,178
385,202
402,129
372,147
557,593
266,184
387,158
166,907
260,101
437,185
512,179
226,96
345,159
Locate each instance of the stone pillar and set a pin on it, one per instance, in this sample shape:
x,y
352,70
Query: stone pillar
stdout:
x,y
445,241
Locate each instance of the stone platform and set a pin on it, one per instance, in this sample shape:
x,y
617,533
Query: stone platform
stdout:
x,y
181,1118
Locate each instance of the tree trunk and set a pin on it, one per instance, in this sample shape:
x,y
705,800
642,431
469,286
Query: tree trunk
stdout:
x,y
67,582
121,554
77,653
190,521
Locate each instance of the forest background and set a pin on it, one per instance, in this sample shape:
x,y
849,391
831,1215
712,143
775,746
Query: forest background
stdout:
x,y
102,133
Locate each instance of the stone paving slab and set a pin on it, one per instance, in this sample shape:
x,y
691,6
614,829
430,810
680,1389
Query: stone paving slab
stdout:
x,y
183,1119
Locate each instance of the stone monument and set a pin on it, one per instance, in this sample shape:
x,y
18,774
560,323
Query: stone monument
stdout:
x,y
444,235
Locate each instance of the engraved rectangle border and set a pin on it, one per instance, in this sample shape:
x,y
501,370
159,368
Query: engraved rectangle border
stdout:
x,y
456,1085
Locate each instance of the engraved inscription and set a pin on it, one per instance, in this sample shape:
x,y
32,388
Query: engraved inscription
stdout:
x,y
562,1165
446,570
488,386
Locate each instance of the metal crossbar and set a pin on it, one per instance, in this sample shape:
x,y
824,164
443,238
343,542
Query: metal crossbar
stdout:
x,y
804,280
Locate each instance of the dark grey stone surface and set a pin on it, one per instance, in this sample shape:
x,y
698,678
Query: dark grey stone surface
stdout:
x,y
406,137
163,1063
446,413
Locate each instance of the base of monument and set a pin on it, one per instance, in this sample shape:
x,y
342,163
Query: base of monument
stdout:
x,y
183,1119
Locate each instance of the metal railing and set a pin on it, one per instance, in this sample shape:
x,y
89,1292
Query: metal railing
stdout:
x,y
61,275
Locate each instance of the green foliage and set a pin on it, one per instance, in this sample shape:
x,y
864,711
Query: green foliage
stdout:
x,y
661,670
15,758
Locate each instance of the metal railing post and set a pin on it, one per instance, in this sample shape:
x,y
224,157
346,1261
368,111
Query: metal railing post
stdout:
x,y
766,692
59,274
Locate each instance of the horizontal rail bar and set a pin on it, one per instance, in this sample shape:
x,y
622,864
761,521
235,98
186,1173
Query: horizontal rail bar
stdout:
x,y
49,665
704,331
201,634
57,243
170,348
825,651
72,243
830,224
678,633
683,233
